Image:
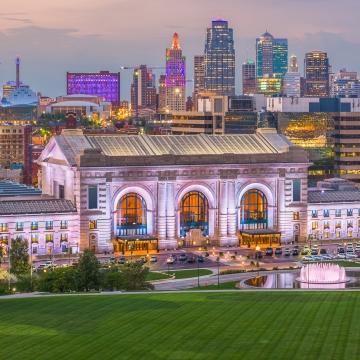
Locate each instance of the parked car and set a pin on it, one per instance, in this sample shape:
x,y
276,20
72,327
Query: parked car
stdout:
x,y
191,259
200,259
174,256
278,251
323,251
153,259
170,260
341,250
350,255
122,260
269,251
182,257
314,251
287,252
295,252
305,251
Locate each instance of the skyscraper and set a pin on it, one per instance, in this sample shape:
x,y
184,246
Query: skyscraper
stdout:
x,y
292,79
199,73
143,90
271,63
317,70
249,77
175,79
346,84
220,59
162,93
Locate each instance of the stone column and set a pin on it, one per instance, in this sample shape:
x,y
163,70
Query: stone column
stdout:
x,y
231,217
161,215
170,216
223,205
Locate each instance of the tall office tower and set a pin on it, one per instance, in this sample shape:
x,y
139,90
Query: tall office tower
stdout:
x,y
293,64
175,80
271,56
292,79
199,73
317,70
346,84
17,71
249,77
103,83
220,59
162,93
271,63
143,90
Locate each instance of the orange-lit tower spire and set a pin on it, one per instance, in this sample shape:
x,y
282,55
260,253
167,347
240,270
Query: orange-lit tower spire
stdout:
x,y
175,42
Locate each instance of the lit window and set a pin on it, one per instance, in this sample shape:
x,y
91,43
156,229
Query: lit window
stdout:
x,y
296,215
34,225
63,224
49,237
92,224
314,225
3,227
64,237
34,238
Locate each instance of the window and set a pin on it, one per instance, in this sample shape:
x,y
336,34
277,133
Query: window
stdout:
x,y
92,224
64,237
49,237
296,215
338,225
61,192
349,212
338,212
314,214
3,227
49,225
326,225
19,226
254,210
34,225
314,225
63,224
92,197
349,224
34,238
326,213
296,190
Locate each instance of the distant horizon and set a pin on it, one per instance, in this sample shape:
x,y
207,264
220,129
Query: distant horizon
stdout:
x,y
76,36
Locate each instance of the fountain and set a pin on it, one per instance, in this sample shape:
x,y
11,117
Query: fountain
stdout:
x,y
323,275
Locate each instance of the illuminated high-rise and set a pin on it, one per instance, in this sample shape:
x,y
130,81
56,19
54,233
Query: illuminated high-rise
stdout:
x,y
271,56
199,73
220,59
249,77
292,79
175,80
317,70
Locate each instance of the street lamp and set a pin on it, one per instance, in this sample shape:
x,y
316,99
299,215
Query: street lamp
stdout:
x,y
218,271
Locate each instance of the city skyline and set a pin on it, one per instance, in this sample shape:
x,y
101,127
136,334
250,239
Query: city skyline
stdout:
x,y
49,48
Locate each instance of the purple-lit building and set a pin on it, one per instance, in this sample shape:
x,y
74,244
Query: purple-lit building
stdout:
x,y
103,83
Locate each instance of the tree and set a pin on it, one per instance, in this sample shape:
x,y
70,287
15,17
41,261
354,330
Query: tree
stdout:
x,y
113,280
58,280
134,276
19,257
88,274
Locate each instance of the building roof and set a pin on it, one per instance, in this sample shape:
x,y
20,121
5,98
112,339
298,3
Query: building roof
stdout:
x,y
116,149
73,103
36,206
333,196
11,188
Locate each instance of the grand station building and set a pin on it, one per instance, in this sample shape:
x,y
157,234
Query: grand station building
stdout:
x,y
143,193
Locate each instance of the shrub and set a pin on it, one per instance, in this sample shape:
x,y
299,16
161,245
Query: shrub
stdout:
x,y
134,276
113,280
232,271
58,280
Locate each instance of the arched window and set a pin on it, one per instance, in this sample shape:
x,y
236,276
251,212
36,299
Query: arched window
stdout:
x,y
194,213
131,215
254,210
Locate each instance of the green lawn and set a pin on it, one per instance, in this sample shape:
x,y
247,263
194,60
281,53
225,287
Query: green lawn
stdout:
x,y
184,274
153,275
239,325
222,286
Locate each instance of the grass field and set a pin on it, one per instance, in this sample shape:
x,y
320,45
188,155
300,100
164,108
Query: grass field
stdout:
x,y
239,325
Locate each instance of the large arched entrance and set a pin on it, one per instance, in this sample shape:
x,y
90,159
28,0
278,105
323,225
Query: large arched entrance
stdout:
x,y
131,215
253,210
194,213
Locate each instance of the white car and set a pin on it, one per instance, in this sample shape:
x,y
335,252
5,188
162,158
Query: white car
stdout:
x,y
350,255
170,260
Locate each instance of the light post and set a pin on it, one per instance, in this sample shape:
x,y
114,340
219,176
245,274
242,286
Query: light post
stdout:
x,y
198,274
345,250
218,271
31,266
9,266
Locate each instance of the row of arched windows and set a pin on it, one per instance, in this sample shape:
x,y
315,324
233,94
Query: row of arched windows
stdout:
x,y
194,213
